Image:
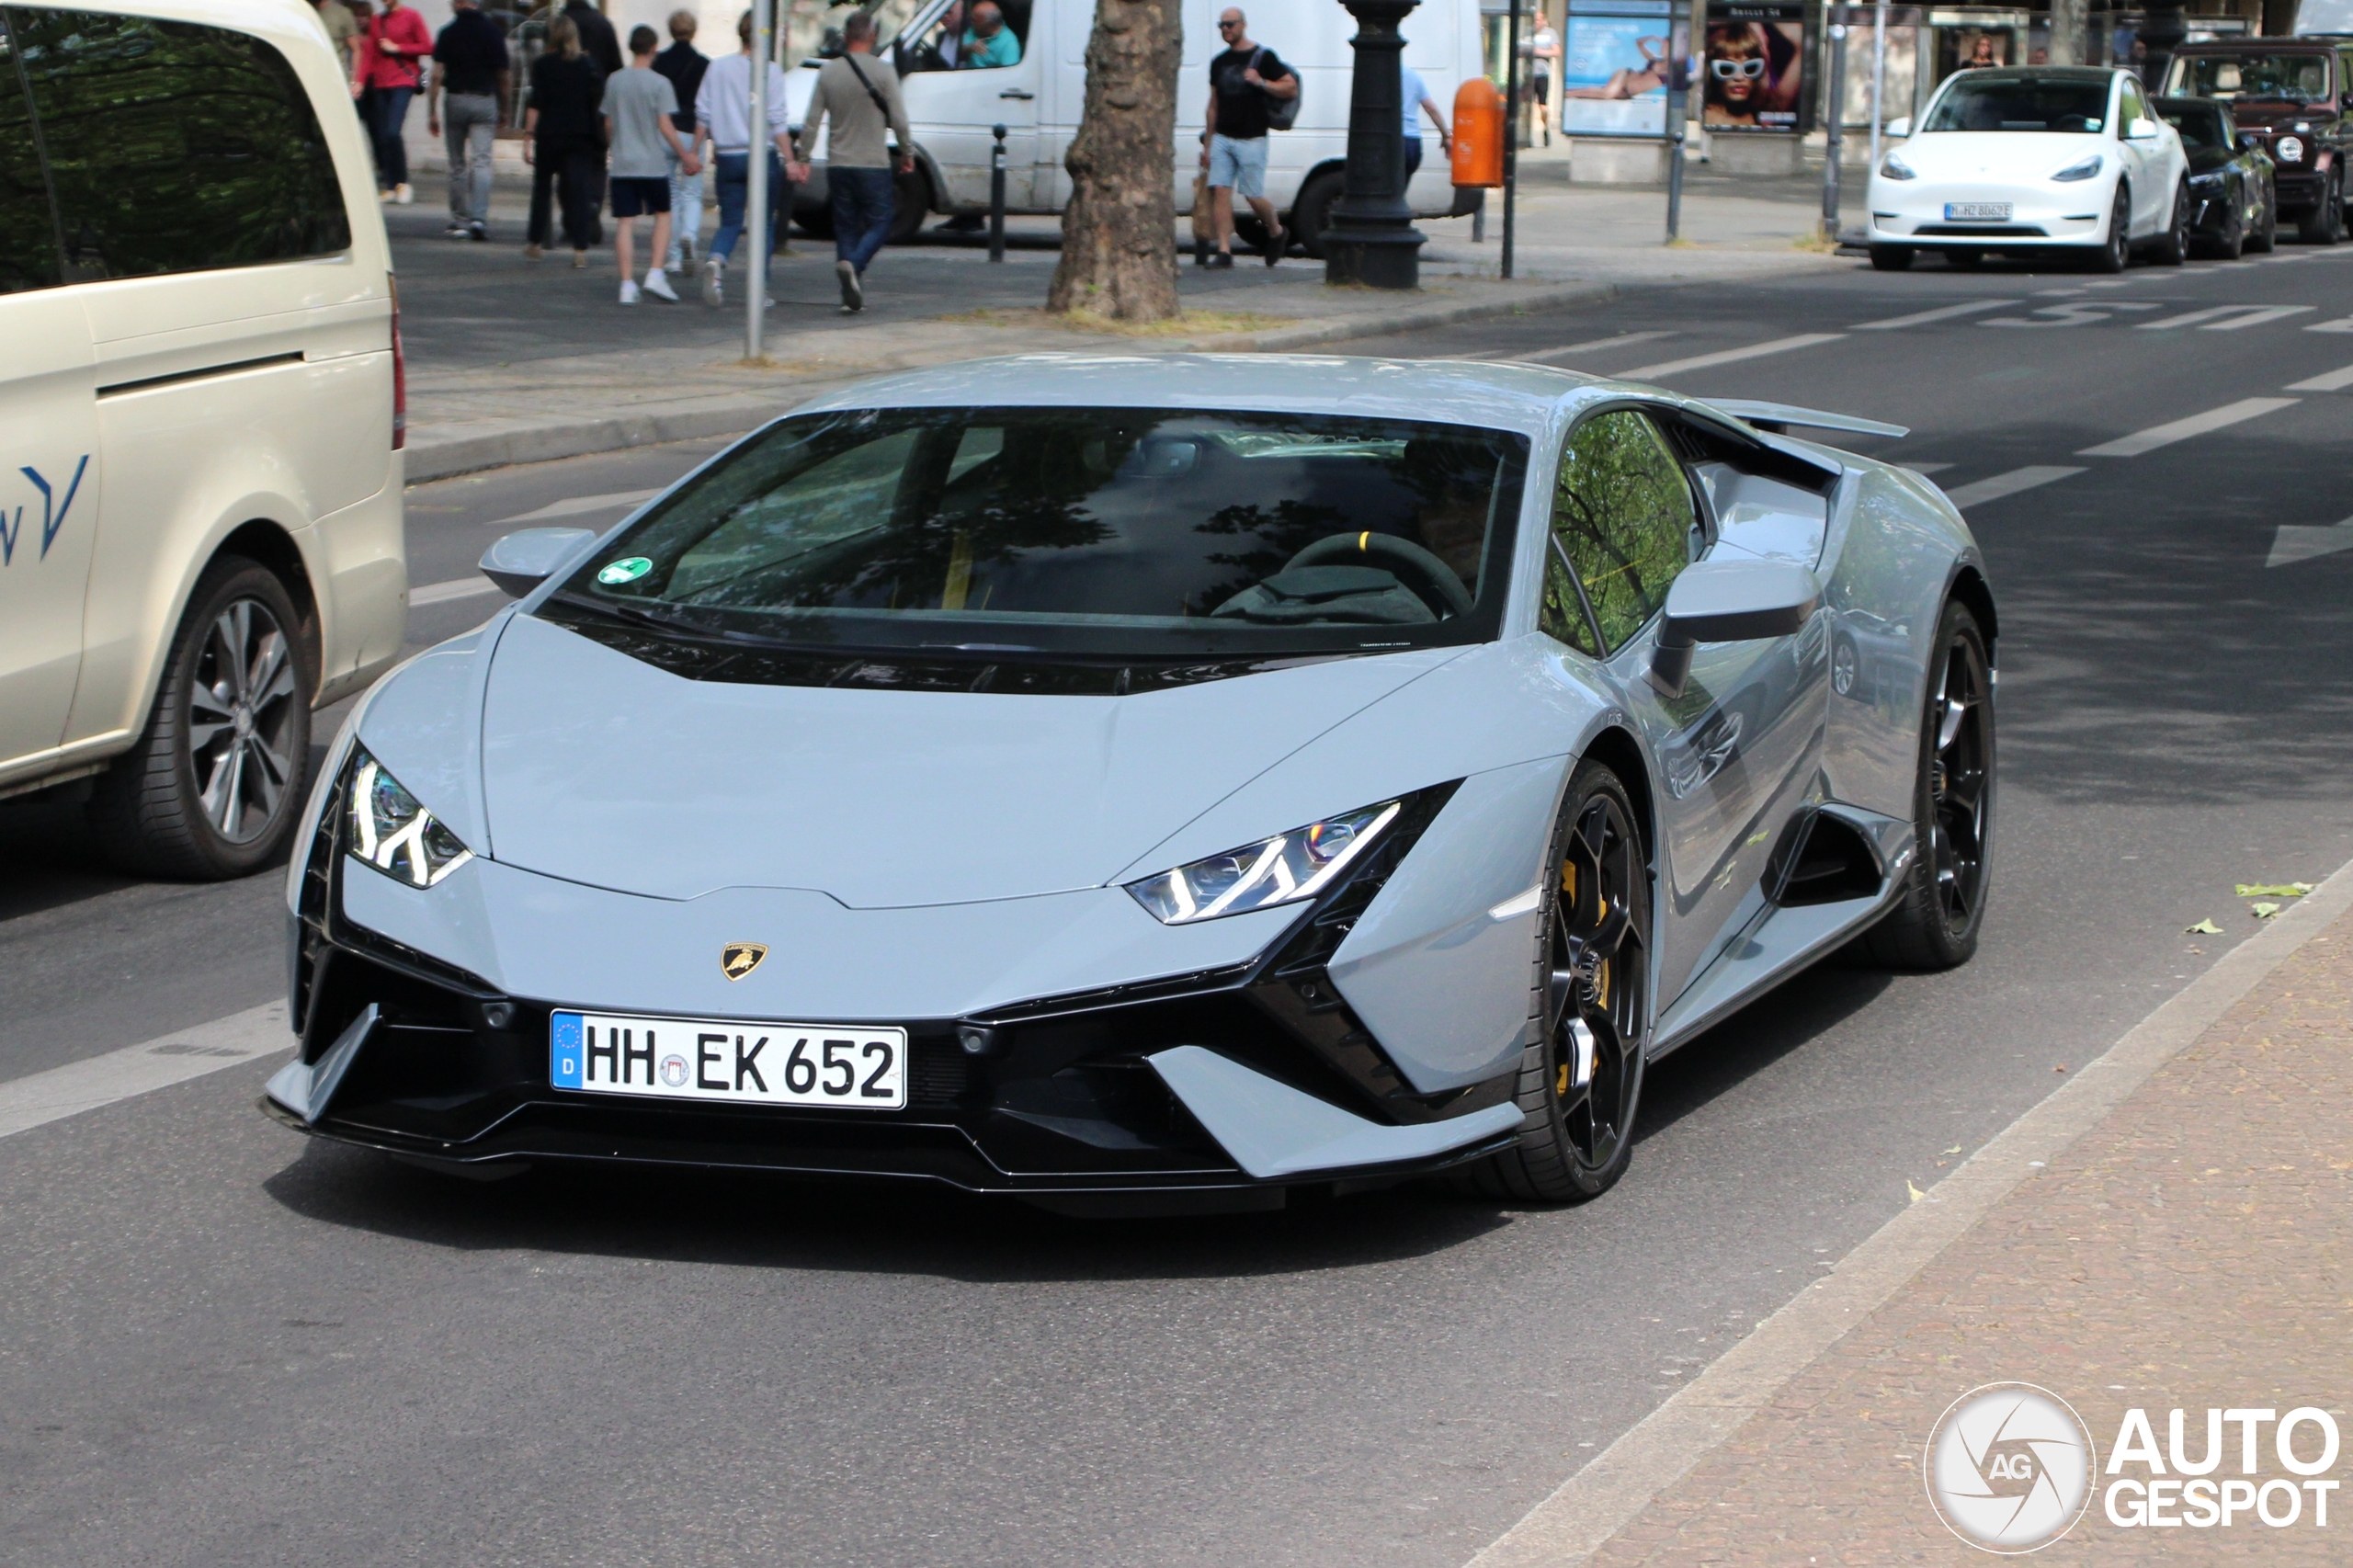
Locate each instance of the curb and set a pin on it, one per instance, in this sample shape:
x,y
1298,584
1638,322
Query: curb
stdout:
x,y
546,440
1604,1497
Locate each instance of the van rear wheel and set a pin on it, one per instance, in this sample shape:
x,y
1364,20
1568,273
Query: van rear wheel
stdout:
x,y
211,788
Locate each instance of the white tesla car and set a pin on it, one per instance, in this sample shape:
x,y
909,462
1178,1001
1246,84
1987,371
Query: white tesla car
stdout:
x,y
2033,158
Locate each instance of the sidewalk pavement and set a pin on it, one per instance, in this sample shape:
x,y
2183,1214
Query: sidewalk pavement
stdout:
x,y
2191,1249
517,362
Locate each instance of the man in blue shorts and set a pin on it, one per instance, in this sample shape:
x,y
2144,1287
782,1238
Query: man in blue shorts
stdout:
x,y
1243,82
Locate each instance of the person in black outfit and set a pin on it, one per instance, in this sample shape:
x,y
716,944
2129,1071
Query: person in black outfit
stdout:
x,y
598,41
684,64
566,146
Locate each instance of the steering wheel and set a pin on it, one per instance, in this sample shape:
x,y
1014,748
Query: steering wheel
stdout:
x,y
1432,581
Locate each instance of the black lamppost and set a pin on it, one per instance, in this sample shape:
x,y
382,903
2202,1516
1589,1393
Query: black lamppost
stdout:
x,y
1371,238
2162,30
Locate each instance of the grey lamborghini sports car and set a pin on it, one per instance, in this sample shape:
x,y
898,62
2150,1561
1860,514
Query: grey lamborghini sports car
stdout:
x,y
1151,782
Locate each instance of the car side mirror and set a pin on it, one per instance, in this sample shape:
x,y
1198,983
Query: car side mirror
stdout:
x,y
1900,127
2248,143
2142,129
1729,600
523,560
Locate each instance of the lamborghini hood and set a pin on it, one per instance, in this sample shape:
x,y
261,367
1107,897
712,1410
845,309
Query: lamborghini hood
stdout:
x,y
599,768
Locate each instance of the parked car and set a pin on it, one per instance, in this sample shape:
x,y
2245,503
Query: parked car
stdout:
x,y
2031,159
1157,781
2233,204
2291,94
200,401
1039,101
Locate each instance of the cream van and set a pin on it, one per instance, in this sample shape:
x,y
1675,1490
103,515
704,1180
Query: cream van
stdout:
x,y
1039,101
200,418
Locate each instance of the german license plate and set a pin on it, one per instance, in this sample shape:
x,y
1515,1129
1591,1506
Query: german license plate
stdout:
x,y
834,1065
1977,212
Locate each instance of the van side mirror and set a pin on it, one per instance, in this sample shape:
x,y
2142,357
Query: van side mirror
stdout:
x,y
523,560
1900,127
1729,600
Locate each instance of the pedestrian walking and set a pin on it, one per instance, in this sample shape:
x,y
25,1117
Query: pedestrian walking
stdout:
x,y
1243,82
468,96
598,39
723,127
684,64
343,32
861,96
639,102
1543,59
396,41
1419,102
564,141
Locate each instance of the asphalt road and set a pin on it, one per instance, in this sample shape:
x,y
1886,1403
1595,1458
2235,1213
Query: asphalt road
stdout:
x,y
220,1343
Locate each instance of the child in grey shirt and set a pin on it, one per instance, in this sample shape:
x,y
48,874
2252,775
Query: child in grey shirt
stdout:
x,y
639,102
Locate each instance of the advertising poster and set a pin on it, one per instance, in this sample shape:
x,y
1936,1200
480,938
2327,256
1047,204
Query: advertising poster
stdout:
x,y
1903,64
1614,66
1755,78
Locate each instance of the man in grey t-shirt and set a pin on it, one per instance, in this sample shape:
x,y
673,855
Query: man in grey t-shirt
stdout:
x,y
860,96
639,102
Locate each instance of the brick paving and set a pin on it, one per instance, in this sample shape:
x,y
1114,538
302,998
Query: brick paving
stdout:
x,y
2192,1250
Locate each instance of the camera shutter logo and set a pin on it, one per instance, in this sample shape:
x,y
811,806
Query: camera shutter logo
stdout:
x,y
2008,1468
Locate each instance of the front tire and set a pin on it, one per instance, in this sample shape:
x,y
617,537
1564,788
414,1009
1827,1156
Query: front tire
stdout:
x,y
1581,1083
1312,213
1891,258
2266,229
2113,253
2173,246
1935,922
212,786
2325,224
2231,242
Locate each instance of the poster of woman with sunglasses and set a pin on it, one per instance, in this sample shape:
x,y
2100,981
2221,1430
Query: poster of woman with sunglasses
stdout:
x,y
1756,71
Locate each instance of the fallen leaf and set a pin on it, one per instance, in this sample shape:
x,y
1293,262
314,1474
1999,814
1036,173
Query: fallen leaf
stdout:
x,y
1916,1192
2274,890
2205,927
2263,911
2061,1068
1954,1150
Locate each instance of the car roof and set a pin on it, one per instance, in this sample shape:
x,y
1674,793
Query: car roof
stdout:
x,y
2308,44
1516,397
2039,74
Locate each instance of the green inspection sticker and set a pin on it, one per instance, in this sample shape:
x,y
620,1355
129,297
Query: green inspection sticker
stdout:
x,y
627,569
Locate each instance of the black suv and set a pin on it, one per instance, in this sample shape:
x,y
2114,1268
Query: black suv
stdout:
x,y
2295,95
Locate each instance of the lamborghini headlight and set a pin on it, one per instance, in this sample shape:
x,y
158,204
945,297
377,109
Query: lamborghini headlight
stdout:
x,y
2081,168
1282,869
391,830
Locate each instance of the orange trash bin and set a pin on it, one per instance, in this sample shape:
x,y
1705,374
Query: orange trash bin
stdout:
x,y
1478,134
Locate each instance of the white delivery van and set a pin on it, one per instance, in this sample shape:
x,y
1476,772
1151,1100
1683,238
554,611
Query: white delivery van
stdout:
x,y
200,418
1040,100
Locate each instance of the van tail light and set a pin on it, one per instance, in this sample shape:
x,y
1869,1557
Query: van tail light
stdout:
x,y
400,371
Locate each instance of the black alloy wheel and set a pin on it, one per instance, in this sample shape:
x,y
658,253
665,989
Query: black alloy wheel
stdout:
x,y
2229,242
1581,1083
1935,922
214,785
2115,253
2325,224
1891,258
2265,235
2173,246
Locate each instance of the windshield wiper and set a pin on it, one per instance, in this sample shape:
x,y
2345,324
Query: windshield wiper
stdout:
x,y
637,617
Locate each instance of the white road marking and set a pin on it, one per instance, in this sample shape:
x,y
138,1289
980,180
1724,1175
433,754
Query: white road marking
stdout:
x,y
2335,381
1623,340
2342,324
38,1097
2157,435
2211,313
2258,317
2009,483
1943,312
443,592
2078,313
2296,542
579,504
1924,469
1727,356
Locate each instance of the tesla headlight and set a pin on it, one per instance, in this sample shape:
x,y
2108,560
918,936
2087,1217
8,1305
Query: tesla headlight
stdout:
x,y
2288,150
1282,869
391,830
1894,167
2081,168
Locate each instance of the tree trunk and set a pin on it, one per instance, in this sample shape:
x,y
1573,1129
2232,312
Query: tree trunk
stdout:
x,y
1119,230
2070,24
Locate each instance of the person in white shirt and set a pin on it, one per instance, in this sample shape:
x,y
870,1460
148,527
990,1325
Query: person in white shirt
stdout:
x,y
723,132
1544,63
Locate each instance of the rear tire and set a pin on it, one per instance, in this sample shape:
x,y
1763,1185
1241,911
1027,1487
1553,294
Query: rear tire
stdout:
x,y
214,785
910,205
1891,258
1312,213
1935,922
1580,1093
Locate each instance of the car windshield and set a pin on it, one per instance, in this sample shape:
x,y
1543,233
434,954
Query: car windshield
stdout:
x,y
1980,102
1123,533
2278,78
2203,127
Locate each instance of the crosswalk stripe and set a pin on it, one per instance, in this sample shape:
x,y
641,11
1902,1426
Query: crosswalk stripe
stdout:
x,y
60,1092
2165,435
1727,356
2009,483
456,588
2334,380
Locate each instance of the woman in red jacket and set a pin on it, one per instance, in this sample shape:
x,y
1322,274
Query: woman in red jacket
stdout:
x,y
397,39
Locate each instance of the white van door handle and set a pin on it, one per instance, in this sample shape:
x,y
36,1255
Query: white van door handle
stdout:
x,y
1017,92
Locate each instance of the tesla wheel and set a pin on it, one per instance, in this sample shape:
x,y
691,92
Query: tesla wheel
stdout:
x,y
1935,922
1891,258
2325,224
1581,1083
212,786
2173,246
2113,253
2264,235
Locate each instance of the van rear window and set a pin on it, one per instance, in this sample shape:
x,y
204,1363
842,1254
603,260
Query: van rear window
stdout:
x,y
172,147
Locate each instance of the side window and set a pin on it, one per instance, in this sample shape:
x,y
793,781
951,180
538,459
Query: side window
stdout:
x,y
2130,105
1623,517
174,147
27,235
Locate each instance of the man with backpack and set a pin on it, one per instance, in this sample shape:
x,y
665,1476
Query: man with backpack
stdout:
x,y
860,94
1250,93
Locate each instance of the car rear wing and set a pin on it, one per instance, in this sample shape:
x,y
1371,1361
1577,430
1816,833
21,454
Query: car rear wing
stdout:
x,y
1776,417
